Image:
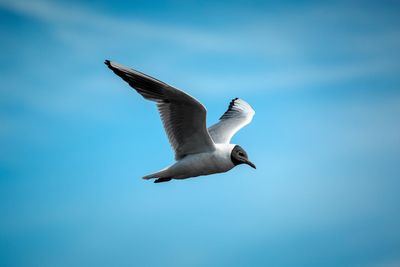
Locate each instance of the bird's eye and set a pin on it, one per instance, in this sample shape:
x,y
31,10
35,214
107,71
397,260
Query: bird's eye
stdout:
x,y
241,154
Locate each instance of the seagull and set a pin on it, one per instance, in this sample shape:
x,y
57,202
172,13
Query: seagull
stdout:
x,y
198,150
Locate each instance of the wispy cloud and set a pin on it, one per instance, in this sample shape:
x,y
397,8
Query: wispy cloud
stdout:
x,y
293,79
81,19
291,34
283,46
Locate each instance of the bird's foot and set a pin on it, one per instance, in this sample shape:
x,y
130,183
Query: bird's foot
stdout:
x,y
161,180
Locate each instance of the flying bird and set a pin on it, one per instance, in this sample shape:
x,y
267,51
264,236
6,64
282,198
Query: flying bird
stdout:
x,y
198,150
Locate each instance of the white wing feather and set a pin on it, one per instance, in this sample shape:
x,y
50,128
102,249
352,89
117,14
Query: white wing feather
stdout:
x,y
183,117
238,115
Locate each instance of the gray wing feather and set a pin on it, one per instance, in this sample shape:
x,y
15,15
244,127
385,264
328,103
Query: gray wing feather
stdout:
x,y
238,115
183,117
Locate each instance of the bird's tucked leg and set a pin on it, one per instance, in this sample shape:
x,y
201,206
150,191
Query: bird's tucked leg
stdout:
x,y
161,180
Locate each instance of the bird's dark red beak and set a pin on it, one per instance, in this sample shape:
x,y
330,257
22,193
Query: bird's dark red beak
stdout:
x,y
251,164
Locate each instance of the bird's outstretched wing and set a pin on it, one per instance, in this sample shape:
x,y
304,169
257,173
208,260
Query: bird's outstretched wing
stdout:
x,y
238,115
184,117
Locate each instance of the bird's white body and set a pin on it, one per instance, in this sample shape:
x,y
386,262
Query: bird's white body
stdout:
x,y
198,164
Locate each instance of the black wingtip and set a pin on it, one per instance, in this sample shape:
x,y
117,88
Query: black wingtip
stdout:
x,y
107,62
233,101
231,104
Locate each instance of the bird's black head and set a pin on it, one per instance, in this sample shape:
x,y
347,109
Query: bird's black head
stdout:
x,y
239,156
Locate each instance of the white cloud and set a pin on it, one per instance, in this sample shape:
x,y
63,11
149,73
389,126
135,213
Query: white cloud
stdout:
x,y
80,18
283,44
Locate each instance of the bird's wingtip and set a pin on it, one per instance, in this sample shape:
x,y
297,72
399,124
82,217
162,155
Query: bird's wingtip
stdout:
x,y
107,62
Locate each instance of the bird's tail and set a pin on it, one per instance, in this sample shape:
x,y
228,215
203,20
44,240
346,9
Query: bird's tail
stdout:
x,y
151,176
159,174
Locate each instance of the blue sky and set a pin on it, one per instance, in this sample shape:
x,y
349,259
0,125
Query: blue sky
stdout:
x,y
75,140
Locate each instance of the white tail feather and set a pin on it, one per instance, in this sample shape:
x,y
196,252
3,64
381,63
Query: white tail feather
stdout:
x,y
159,174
